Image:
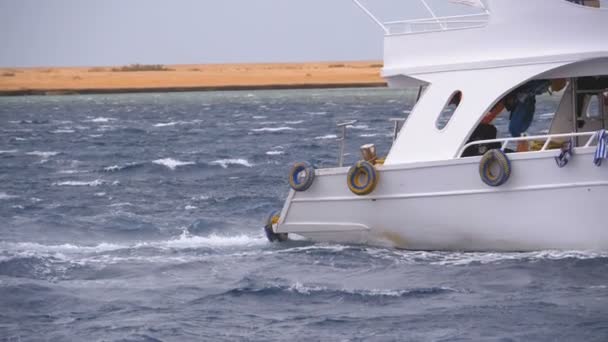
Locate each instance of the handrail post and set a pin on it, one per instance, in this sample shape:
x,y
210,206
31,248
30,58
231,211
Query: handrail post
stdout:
x,y
396,129
343,140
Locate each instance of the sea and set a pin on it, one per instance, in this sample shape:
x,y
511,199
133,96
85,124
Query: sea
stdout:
x,y
138,217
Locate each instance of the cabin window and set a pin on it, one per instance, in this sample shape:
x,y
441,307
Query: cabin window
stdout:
x,y
594,110
449,109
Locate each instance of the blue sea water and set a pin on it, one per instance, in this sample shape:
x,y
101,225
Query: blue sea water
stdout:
x,y
139,218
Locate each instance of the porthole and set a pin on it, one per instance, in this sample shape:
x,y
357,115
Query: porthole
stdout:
x,y
448,110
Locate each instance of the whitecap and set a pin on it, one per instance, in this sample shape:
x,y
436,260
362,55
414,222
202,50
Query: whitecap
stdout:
x,y
370,135
326,137
316,113
259,117
5,196
184,241
8,151
44,155
70,172
190,207
113,168
101,119
275,153
224,163
63,131
171,163
96,182
297,122
273,129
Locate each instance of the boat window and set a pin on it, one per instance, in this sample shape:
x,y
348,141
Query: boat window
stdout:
x,y
449,109
593,108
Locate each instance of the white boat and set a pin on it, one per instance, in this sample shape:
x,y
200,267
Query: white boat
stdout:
x,y
427,195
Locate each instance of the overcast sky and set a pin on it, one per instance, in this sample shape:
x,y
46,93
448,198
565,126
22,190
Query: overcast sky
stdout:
x,y
116,32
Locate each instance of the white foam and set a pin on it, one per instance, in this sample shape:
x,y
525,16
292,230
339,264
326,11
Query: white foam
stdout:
x,y
224,163
5,196
112,168
275,153
101,119
190,207
168,124
370,135
70,172
316,113
171,163
326,137
259,117
175,123
8,151
273,129
44,155
63,131
297,122
96,182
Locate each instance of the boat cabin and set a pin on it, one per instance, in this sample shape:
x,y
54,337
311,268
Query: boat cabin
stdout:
x,y
493,62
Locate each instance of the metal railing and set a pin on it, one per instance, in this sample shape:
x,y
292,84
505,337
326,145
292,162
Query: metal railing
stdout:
x,y
437,24
433,23
342,140
548,138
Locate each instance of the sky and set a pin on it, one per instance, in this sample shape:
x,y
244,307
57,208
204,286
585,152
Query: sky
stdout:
x,y
119,32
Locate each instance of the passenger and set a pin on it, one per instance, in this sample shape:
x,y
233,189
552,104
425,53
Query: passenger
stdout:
x,y
521,103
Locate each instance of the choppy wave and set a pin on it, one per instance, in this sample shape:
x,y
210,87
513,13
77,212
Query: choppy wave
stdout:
x,y
8,151
171,163
96,182
5,196
116,168
298,288
275,153
101,119
326,137
296,122
184,241
43,154
273,129
224,163
175,123
63,131
442,258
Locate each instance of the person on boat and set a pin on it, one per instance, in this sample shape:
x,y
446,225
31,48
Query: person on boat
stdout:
x,y
521,103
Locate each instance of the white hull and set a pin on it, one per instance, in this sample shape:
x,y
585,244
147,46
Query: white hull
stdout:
x,y
445,206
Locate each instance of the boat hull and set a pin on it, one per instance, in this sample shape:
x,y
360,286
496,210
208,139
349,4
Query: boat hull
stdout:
x,y
446,206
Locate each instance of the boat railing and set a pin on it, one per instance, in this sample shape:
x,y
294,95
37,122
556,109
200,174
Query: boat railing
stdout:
x,y
545,139
434,23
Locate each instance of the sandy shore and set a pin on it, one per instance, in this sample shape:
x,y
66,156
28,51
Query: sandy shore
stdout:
x,y
33,81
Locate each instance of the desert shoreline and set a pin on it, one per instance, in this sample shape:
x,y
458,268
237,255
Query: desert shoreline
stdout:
x,y
139,78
